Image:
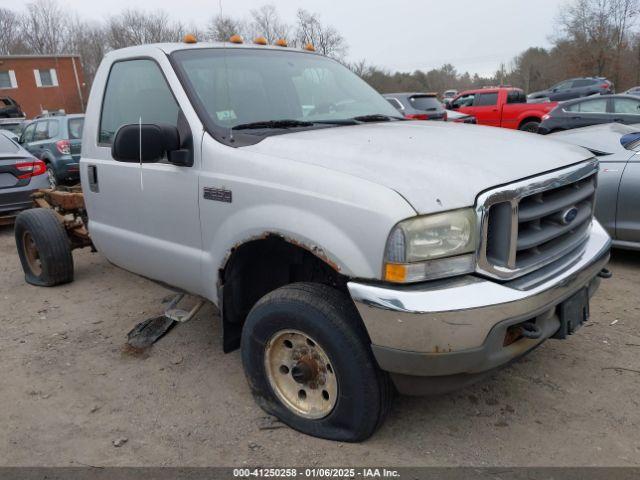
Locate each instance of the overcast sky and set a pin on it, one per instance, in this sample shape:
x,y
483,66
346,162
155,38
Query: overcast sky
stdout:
x,y
475,36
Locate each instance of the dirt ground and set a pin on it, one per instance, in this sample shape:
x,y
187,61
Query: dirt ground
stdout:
x,y
68,390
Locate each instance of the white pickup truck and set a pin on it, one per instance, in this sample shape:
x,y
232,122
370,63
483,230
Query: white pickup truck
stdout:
x,y
352,254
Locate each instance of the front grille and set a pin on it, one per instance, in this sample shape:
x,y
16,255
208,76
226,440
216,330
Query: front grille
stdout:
x,y
527,225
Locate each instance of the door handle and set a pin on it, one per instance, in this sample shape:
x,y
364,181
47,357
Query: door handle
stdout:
x,y
92,171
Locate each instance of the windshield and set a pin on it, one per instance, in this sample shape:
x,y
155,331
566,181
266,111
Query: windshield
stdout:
x,y
242,86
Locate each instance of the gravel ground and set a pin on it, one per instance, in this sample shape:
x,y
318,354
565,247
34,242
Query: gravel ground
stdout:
x,y
69,389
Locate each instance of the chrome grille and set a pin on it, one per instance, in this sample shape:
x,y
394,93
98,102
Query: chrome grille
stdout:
x,y
529,224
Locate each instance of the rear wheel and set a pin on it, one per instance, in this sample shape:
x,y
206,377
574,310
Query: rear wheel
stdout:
x,y
308,360
531,126
43,248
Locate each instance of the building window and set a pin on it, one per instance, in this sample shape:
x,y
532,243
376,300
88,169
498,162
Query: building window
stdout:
x,y
8,79
46,77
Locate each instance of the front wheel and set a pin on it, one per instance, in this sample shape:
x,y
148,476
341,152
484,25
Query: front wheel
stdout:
x,y
308,360
531,126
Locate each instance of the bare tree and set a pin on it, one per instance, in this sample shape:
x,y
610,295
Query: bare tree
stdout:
x,y
267,23
360,68
89,40
595,32
136,27
221,28
9,31
43,27
325,38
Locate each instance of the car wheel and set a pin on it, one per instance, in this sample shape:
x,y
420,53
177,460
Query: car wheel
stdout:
x,y
530,127
51,176
43,247
307,358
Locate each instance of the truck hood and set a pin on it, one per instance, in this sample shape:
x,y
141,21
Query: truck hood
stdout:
x,y
435,166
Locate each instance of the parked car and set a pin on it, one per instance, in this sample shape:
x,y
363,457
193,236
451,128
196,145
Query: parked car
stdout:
x,y
618,197
457,117
57,141
20,175
505,107
633,91
448,95
10,135
12,124
418,106
9,108
575,88
591,111
349,250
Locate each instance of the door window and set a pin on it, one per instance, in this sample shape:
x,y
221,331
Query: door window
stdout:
x,y
516,96
136,92
583,83
598,105
27,135
563,86
395,103
53,129
41,131
627,106
464,100
486,99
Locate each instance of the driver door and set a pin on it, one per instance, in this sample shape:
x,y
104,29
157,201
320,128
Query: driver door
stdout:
x,y
143,217
562,91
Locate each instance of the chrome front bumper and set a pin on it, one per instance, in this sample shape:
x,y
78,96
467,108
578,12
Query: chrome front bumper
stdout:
x,y
458,326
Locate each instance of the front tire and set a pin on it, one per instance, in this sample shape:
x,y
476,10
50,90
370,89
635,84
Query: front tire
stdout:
x,y
43,247
531,126
308,360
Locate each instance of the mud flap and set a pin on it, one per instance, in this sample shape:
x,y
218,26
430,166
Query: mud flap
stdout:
x,y
146,333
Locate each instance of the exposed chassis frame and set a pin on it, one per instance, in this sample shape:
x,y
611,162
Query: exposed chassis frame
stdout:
x,y
68,205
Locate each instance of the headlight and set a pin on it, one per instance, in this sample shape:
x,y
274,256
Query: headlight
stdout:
x,y
431,246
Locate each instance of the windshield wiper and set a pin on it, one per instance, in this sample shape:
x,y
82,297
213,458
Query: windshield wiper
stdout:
x,y
272,124
376,117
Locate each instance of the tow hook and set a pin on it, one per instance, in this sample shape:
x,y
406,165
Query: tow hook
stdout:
x,y
530,330
605,273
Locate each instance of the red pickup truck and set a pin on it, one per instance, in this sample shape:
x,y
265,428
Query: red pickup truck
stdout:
x,y
505,107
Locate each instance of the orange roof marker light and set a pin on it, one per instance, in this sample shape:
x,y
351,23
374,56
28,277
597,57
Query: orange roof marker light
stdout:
x,y
281,42
310,47
236,39
260,41
189,38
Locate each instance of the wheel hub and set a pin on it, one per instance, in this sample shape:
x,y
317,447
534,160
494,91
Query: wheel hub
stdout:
x,y
300,374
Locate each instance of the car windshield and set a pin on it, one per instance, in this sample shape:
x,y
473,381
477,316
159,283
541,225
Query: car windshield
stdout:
x,y
240,87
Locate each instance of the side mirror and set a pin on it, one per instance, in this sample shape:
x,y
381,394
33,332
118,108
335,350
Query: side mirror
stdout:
x,y
148,143
453,106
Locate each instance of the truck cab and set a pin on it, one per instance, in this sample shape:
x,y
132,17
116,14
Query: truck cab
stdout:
x,y
505,107
352,253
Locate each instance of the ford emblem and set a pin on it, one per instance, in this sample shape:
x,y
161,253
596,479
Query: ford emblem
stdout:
x,y
569,215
